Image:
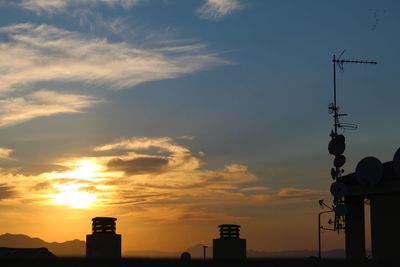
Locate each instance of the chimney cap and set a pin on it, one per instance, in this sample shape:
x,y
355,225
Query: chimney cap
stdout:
x,y
104,219
229,225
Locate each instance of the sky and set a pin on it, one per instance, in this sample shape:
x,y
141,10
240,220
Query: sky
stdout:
x,y
176,116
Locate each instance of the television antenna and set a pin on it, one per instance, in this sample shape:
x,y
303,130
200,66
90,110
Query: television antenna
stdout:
x,y
337,146
337,143
333,108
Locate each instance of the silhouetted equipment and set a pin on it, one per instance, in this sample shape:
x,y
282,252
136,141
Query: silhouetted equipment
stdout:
x,y
320,226
338,189
337,144
229,246
369,171
349,211
205,252
185,256
103,242
396,162
380,184
337,147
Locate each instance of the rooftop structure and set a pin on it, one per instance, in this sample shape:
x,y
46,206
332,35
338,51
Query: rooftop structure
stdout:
x,y
229,246
103,242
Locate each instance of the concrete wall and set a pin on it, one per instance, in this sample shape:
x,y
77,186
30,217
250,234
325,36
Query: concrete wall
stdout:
x,y
229,249
385,226
103,246
355,228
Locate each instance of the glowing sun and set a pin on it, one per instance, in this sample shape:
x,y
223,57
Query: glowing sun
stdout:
x,y
74,199
72,193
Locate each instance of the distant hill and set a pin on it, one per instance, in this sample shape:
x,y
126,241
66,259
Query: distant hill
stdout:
x,y
69,248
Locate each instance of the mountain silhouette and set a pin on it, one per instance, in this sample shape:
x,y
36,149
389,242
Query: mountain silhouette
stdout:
x,y
75,247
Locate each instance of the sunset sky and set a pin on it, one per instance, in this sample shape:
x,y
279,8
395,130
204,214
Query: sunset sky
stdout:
x,y
175,116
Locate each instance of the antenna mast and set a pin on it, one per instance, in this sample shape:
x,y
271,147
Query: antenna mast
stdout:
x,y
334,106
337,146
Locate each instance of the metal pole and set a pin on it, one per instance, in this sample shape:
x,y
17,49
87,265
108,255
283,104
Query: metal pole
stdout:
x,y
319,231
319,235
204,252
334,93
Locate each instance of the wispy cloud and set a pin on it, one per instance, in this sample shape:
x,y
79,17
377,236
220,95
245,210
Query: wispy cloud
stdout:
x,y
6,192
55,6
37,56
5,153
38,104
217,9
300,194
39,53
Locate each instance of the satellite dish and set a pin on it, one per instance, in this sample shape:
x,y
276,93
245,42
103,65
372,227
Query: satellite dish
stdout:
x,y
369,171
185,256
336,145
339,161
338,189
340,210
396,162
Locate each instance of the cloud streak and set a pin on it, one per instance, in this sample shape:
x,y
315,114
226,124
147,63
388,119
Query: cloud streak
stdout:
x,y
39,53
38,104
56,6
33,57
217,9
5,153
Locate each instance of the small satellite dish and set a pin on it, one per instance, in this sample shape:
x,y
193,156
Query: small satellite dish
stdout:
x,y
339,161
396,162
338,189
337,145
185,256
340,210
369,171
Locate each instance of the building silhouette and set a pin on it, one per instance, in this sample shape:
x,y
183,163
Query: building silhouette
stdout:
x,y
380,184
103,242
229,246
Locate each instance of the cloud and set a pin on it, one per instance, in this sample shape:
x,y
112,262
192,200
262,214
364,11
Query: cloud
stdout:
x,y
41,53
138,165
139,172
34,57
56,6
218,9
38,104
6,192
5,153
179,157
153,178
305,194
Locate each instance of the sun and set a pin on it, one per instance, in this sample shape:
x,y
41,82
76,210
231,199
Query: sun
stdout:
x,y
73,192
74,199
86,169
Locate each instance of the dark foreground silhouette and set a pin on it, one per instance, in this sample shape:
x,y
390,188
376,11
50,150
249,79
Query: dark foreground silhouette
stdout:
x,y
136,262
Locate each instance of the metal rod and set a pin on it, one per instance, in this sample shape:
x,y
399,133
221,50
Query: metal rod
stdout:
x,y
334,94
204,252
319,231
